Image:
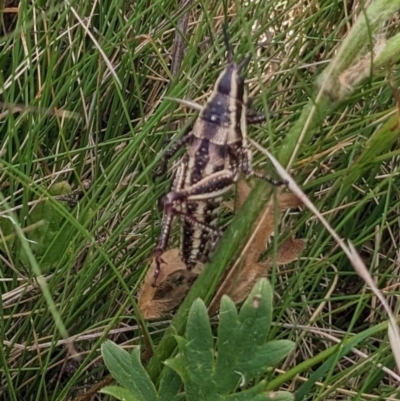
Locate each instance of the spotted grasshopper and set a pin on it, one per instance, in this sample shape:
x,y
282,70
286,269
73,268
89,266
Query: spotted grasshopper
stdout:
x,y
217,151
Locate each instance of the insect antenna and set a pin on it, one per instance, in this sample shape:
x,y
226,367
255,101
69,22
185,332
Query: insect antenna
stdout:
x,y
228,46
244,63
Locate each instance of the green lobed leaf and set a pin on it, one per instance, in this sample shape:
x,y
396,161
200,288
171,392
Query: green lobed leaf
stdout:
x,y
120,393
199,352
248,394
258,310
245,334
276,396
280,396
181,341
179,366
226,342
142,379
243,352
258,393
270,354
128,371
170,383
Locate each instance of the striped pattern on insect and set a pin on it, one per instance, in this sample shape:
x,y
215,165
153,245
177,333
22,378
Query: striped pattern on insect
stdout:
x,y
216,152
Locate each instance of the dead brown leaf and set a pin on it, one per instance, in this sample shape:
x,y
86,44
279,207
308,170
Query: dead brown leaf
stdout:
x,y
243,190
239,288
174,283
288,251
246,271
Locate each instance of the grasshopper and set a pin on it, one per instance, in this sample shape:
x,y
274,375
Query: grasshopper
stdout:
x,y
217,151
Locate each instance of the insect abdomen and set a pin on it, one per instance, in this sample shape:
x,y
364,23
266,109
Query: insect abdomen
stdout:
x,y
195,240
204,159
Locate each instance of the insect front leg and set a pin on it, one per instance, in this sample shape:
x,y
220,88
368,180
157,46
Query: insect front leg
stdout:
x,y
252,117
247,169
172,150
214,232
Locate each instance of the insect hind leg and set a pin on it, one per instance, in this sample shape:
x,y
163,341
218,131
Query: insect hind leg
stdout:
x,y
244,63
229,55
162,241
214,232
170,211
